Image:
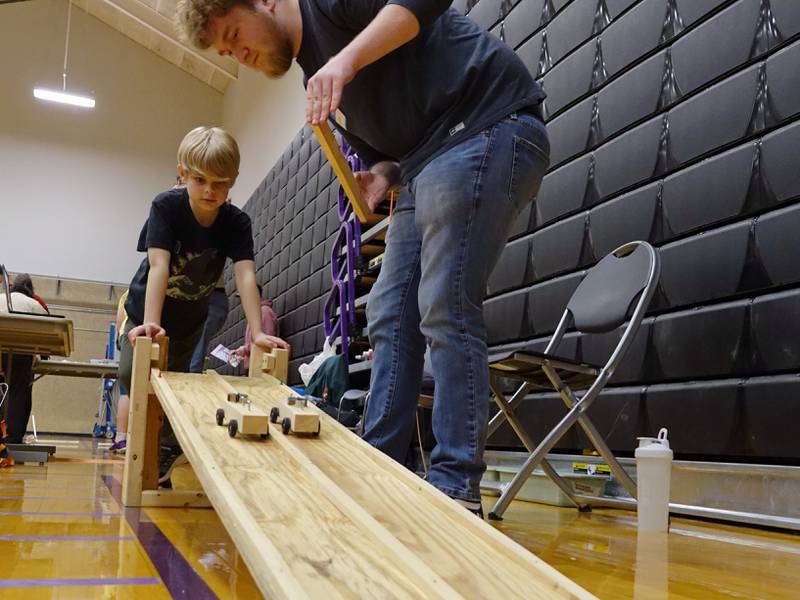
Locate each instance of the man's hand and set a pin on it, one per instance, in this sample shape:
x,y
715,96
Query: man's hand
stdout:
x,y
268,342
151,330
324,89
374,186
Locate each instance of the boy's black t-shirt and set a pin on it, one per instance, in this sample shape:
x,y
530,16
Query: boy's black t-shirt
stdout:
x,y
447,84
197,258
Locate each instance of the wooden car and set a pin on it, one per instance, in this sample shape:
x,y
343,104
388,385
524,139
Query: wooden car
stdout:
x,y
244,416
297,416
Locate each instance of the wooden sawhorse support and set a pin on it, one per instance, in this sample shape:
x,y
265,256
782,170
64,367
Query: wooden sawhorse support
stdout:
x,y
146,417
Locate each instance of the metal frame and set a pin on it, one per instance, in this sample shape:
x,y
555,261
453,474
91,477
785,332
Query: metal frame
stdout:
x,y
577,406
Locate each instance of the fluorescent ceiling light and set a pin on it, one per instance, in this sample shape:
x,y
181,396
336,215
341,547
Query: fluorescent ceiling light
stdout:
x,y
63,98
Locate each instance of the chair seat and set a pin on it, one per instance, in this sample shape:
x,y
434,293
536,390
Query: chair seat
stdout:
x,y
527,366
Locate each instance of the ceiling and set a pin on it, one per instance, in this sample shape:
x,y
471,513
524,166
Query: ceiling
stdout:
x,y
149,23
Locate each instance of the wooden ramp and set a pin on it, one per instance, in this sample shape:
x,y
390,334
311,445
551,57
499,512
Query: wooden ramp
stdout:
x,y
331,517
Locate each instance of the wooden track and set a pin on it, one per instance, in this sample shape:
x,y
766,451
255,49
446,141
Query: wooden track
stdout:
x,y
331,517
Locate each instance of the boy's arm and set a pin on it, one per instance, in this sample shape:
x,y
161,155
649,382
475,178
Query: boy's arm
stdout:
x,y
154,296
245,274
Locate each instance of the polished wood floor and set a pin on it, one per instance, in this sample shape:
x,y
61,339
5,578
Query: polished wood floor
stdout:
x,y
63,534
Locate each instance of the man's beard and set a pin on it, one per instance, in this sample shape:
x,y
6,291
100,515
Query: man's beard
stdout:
x,y
279,60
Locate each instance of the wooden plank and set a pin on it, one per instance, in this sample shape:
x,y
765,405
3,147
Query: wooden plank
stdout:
x,y
31,334
75,368
137,423
152,435
342,169
379,530
296,542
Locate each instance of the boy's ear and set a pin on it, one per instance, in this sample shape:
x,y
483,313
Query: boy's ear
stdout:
x,y
181,172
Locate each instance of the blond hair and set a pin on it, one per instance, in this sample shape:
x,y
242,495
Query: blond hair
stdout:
x,y
210,151
193,17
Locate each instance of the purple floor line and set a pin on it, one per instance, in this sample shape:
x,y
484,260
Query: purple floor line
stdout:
x,y
181,579
65,538
8,583
9,513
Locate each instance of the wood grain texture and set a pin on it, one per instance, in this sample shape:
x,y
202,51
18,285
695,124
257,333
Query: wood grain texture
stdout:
x,y
342,170
29,334
333,517
132,478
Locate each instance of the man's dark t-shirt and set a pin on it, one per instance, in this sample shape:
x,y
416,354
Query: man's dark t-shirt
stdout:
x,y
449,83
197,258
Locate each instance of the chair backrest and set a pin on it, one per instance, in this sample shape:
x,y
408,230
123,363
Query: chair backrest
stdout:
x,y
605,297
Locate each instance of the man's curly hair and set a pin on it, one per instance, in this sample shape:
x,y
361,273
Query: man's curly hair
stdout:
x,y
193,18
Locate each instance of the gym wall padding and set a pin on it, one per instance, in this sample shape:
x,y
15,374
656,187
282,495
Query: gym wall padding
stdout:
x,y
673,121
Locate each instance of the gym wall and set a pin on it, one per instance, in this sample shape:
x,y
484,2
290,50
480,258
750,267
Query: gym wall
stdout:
x,y
672,121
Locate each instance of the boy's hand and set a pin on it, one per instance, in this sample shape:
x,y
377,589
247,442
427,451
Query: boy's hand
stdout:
x,y
268,342
374,186
151,330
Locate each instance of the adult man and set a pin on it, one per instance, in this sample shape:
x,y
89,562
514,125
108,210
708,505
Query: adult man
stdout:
x,y
441,107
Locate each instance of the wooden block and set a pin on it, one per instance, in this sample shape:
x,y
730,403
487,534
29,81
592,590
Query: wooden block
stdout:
x,y
342,169
275,363
175,499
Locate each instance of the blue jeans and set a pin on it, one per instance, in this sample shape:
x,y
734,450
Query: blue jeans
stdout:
x,y
217,313
448,230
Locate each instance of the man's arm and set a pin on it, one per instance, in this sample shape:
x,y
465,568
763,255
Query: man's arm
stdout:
x,y
245,275
392,27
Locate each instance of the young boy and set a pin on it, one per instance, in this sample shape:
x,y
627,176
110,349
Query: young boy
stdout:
x,y
189,234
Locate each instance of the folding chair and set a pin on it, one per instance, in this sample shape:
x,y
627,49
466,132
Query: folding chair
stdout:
x,y
622,283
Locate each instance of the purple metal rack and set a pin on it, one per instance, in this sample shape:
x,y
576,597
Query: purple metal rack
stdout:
x,y
343,265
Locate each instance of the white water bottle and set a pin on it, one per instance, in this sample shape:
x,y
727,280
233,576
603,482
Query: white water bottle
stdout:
x,y
653,471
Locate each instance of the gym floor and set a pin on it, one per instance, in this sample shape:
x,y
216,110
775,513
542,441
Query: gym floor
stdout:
x,y
63,534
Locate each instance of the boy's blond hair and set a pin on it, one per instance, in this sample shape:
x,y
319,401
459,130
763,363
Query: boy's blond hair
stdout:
x,y
211,152
192,18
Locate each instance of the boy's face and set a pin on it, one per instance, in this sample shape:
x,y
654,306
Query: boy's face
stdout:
x,y
205,193
254,38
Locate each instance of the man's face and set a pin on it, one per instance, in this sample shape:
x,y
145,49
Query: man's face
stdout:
x,y
254,38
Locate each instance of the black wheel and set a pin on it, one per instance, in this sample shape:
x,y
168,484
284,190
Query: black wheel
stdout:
x,y
233,427
286,425
263,436
319,427
274,413
220,416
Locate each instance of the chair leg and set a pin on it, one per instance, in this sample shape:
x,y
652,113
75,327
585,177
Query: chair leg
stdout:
x,y
599,443
531,463
582,405
516,425
507,407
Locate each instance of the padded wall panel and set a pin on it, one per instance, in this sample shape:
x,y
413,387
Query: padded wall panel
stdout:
x,y
626,218
701,417
710,191
701,342
715,117
707,266
779,245
776,330
767,403
522,21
